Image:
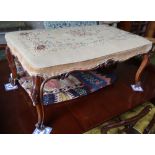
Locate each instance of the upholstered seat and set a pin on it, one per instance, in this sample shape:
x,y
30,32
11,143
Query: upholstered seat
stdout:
x,y
53,52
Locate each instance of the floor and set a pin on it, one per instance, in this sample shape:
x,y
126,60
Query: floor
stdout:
x,y
17,115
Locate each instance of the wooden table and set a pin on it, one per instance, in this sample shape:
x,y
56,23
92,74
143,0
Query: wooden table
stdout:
x,y
42,54
78,116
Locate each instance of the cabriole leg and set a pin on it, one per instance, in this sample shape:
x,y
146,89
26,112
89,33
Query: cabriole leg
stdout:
x,y
144,63
139,73
37,81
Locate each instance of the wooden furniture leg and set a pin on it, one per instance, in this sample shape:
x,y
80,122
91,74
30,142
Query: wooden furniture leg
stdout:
x,y
128,123
139,73
37,81
14,76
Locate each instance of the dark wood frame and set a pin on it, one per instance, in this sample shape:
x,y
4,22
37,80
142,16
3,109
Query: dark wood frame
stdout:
x,y
39,82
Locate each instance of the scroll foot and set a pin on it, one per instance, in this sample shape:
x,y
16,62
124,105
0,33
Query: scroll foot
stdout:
x,y
45,130
137,86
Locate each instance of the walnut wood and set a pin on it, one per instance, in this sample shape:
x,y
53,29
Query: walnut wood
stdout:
x,y
12,65
128,123
41,116
37,81
140,70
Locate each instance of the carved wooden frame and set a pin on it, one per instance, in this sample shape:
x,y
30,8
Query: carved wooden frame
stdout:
x,y
39,82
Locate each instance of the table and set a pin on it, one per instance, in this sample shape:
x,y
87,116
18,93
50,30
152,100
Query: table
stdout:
x,y
47,54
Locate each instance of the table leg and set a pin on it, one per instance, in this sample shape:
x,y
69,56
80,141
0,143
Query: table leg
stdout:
x,y
37,81
140,70
10,58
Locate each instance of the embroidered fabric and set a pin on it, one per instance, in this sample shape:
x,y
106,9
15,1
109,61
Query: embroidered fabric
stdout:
x,y
56,51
